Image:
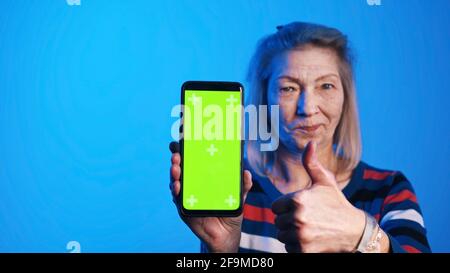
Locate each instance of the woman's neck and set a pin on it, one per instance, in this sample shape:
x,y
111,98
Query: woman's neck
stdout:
x,y
288,173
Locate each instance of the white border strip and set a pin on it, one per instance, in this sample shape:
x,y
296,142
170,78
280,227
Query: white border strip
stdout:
x,y
409,214
261,243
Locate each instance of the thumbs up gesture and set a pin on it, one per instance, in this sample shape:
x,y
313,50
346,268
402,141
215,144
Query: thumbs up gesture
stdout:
x,y
319,218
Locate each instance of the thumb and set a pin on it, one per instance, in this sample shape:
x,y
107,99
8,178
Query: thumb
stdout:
x,y
247,183
318,173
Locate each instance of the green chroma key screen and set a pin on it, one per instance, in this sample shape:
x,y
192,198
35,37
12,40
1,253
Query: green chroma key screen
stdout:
x,y
212,150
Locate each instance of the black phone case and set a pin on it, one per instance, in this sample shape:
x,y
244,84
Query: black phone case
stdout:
x,y
222,86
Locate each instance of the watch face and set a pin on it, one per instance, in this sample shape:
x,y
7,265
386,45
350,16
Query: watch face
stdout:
x,y
374,246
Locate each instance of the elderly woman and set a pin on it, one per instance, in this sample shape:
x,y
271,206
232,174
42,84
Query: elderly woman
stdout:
x,y
313,193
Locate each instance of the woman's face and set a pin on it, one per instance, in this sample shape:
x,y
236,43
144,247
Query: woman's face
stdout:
x,y
307,86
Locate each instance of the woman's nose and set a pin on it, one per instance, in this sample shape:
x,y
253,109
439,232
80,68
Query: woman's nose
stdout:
x,y
306,105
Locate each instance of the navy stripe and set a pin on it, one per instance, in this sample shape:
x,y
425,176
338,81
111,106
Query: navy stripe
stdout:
x,y
247,250
403,223
259,200
259,228
406,240
369,195
409,232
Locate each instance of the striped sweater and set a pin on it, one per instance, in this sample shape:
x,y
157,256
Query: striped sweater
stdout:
x,y
386,195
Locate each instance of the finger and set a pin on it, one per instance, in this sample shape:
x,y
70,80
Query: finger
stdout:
x,y
175,189
293,248
247,183
285,221
174,147
318,173
175,172
283,204
176,158
288,237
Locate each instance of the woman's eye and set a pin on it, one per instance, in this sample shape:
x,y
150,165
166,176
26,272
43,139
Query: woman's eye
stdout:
x,y
327,86
287,89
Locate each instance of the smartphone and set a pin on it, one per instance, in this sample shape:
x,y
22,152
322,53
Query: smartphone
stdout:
x,y
211,147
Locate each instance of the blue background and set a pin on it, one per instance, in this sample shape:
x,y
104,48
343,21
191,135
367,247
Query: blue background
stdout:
x,y
86,93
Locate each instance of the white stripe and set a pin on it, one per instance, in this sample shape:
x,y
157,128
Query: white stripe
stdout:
x,y
261,243
409,214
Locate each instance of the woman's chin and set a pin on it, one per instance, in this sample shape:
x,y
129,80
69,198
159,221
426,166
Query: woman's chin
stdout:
x,y
298,142
302,142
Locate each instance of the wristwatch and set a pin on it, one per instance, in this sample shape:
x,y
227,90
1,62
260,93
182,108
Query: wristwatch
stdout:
x,y
367,244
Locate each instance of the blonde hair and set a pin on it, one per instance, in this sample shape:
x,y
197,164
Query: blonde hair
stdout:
x,y
347,137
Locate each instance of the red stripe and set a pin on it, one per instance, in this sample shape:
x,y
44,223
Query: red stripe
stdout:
x,y
411,249
254,213
375,175
377,217
400,197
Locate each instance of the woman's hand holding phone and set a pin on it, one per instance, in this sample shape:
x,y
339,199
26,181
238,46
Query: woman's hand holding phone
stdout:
x,y
220,234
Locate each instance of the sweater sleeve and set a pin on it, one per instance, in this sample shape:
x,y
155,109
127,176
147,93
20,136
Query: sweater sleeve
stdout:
x,y
401,218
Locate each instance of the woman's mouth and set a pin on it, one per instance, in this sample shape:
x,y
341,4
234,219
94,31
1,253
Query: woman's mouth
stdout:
x,y
309,129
